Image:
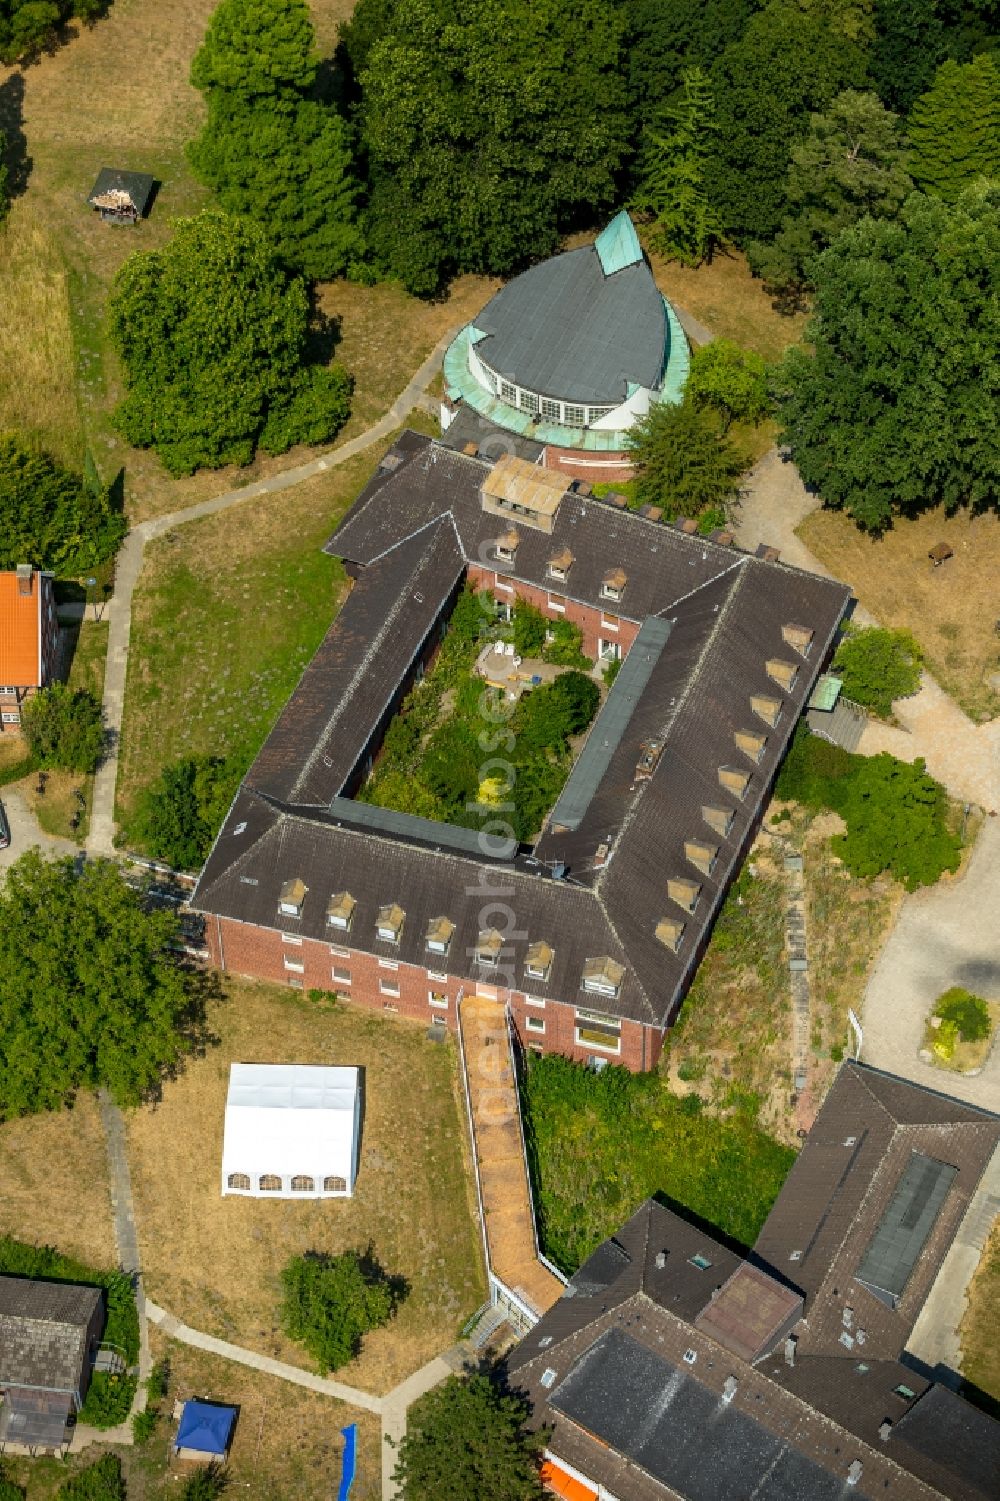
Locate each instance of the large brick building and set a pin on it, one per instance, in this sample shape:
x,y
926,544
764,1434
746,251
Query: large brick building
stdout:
x,y
592,935
29,640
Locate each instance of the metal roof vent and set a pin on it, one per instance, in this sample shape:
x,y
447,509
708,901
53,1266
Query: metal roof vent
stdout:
x,y
729,1388
661,1260
884,1431
690,1356
855,1471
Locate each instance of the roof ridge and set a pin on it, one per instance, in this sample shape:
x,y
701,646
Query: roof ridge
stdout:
x,y
234,865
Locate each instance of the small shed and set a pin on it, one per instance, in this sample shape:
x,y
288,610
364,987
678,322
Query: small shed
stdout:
x,y
291,1131
49,1337
205,1431
940,553
121,197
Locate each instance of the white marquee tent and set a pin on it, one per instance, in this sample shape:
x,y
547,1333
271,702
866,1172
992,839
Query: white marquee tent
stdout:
x,y
291,1131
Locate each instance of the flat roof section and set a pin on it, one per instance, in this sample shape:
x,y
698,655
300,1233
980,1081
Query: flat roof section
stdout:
x,y
895,1248
611,723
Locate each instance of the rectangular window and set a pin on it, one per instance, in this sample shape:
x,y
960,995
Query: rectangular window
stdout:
x,y
534,1023
534,1000
594,414
596,1031
555,572
552,410
290,909
11,718
507,588
575,416
598,985
610,591
291,938
388,987
437,974
387,964
334,920
387,935
556,605
436,946
388,1006
340,976
294,966
295,982
700,1261
505,554
338,953
508,392
536,1048
438,998
488,378
529,401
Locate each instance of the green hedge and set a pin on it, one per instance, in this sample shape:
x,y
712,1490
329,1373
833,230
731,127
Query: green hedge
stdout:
x,y
109,1398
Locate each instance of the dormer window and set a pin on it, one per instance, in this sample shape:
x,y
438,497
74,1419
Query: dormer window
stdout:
x,y
340,911
506,546
439,934
559,565
703,856
613,584
750,743
538,961
669,932
293,894
734,780
783,673
684,892
489,947
719,819
798,637
389,923
603,976
765,708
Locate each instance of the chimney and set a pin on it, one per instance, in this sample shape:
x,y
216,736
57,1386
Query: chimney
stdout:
x,y
884,1430
854,1472
25,578
601,854
790,1350
729,1388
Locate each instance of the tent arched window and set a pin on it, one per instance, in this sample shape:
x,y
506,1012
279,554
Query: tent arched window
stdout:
x,y
239,1180
269,1183
334,1185
302,1184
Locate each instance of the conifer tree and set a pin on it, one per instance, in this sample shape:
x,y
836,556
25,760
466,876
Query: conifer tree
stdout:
x,y
269,149
954,128
673,190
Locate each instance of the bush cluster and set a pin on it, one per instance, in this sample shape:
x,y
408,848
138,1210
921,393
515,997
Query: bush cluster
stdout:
x,y
64,728
331,1302
180,814
877,666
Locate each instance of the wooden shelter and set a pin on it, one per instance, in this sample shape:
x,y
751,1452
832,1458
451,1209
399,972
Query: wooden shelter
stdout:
x,y
121,197
940,553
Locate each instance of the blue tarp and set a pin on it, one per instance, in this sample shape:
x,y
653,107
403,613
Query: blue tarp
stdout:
x,y
205,1426
350,1462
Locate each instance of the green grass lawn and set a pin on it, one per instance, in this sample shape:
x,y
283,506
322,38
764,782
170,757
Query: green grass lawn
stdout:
x,y
602,1143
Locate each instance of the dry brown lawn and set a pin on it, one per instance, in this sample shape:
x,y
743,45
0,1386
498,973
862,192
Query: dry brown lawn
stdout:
x,y
288,1443
54,1183
980,1328
952,610
215,1262
730,302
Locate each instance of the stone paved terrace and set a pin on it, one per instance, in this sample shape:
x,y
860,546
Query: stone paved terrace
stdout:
x,y
502,1172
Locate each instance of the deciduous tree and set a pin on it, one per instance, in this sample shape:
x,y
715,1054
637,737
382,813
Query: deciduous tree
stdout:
x,y
792,59
180,815
50,517
212,333
895,821
664,37
730,380
683,462
672,188
852,163
895,409
89,992
954,128
877,666
466,1438
64,728
331,1302
490,132
26,26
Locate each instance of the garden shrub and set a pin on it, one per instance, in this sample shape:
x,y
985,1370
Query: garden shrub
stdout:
x,y
64,728
102,1481
600,1144
8,1490
968,1014
330,1302
878,666
144,1425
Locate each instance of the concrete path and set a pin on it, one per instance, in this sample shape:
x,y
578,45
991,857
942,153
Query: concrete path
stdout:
x,y
948,934
126,1240
26,833
129,565
392,1408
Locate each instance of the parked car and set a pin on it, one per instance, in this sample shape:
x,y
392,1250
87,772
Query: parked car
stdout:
x,y
4,828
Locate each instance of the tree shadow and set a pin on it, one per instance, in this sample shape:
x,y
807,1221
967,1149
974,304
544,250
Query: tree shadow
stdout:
x,y
397,1286
16,158
324,336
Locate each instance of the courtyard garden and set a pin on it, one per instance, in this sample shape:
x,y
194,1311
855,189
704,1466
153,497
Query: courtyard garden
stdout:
x,y
960,1031
433,759
218,1263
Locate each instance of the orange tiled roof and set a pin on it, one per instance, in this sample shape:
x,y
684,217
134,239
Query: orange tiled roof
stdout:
x,y
18,633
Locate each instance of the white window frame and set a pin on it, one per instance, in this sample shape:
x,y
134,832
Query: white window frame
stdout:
x,y
596,1018
609,591
507,588
534,1023
557,605
11,718
571,421
439,946
594,986
554,571
438,998
341,976
387,935
342,924
506,554
293,966
535,1000
339,953
437,974
296,982
389,987
388,964
292,938
609,625
289,909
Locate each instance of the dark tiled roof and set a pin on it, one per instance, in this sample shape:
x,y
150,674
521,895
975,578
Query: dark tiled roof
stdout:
x,y
564,329
469,426
955,1445
410,534
138,186
43,1332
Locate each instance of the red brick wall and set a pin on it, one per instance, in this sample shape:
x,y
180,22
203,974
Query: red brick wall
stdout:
x,y
586,617
598,468
261,953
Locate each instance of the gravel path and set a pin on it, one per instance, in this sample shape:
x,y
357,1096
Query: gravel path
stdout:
x,y
948,934
26,833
